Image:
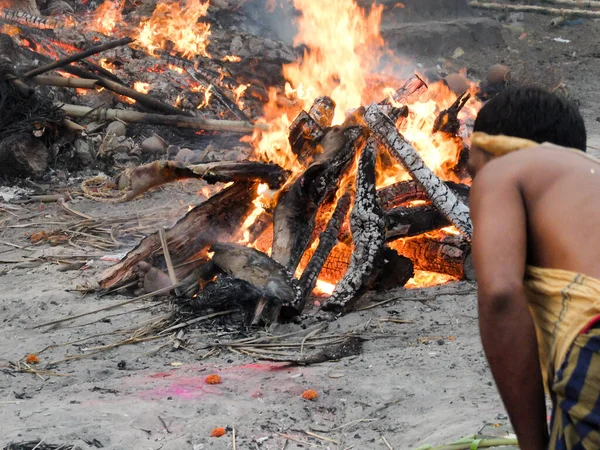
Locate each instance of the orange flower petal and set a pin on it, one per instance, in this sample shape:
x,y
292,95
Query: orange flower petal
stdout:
x,y
32,359
218,432
213,379
310,394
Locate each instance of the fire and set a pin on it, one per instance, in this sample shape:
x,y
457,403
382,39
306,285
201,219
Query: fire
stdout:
x,y
427,279
262,199
106,17
141,87
106,65
176,24
231,58
239,93
324,288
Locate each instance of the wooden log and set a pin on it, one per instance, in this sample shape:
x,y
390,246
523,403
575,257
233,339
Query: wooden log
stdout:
x,y
400,193
413,221
447,121
29,20
81,83
304,134
295,213
534,9
327,240
439,193
219,217
412,89
450,255
77,57
322,111
142,178
196,123
280,291
391,271
368,233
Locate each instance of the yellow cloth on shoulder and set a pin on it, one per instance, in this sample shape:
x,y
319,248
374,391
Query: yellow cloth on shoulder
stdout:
x,y
562,303
500,144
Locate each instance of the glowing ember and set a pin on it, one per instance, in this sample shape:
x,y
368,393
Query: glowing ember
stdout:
x,y
106,65
231,58
427,279
179,25
324,288
142,87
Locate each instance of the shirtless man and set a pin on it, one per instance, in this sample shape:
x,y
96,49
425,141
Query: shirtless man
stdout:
x,y
536,249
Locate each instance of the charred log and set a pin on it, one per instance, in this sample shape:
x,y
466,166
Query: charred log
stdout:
x,y
391,271
447,121
450,255
402,192
295,213
140,179
304,135
227,292
322,111
217,218
413,221
327,240
280,291
439,193
411,91
368,233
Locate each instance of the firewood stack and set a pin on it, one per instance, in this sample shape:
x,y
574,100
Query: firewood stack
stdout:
x,y
329,222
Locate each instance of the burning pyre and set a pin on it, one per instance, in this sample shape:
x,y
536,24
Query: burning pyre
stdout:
x,y
349,197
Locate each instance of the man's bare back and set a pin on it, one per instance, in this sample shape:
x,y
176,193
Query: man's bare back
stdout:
x,y
560,191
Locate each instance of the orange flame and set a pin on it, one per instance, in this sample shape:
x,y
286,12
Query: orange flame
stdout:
x,y
106,17
176,24
141,87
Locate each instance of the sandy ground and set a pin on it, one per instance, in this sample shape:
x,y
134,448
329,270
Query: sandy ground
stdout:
x,y
414,383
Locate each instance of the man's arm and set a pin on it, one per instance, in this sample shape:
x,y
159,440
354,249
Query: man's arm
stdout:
x,y
506,326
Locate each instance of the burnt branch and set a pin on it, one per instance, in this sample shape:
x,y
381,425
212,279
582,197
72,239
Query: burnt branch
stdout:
x,y
447,121
413,221
327,240
368,232
438,192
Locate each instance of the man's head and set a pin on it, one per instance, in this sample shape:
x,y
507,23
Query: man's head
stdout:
x,y
529,113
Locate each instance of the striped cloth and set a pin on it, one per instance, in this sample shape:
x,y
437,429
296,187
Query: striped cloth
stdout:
x,y
575,393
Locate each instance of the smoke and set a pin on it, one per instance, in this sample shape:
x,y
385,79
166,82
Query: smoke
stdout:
x,y
275,19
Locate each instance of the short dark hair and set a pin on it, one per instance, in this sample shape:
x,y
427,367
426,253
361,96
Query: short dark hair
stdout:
x,y
535,114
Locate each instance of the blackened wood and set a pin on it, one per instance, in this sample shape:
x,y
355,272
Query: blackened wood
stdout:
x,y
259,226
450,255
226,292
77,57
304,134
407,94
322,111
439,193
397,194
281,293
295,213
217,218
327,240
447,121
368,233
142,178
391,271
413,221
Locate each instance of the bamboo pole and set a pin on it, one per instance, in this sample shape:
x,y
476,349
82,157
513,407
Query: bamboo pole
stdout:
x,y
196,123
77,57
576,3
82,83
534,9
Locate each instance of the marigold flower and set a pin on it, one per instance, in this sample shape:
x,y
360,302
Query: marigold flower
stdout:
x,y
218,432
311,394
32,359
213,379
